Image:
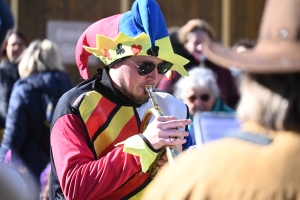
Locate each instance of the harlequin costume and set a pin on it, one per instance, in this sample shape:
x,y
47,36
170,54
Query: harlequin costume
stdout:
x,y
97,151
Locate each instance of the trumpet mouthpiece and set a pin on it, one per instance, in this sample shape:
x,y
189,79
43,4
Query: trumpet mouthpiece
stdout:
x,y
148,88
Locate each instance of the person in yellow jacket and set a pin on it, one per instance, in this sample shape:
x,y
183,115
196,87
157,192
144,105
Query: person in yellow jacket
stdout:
x,y
262,160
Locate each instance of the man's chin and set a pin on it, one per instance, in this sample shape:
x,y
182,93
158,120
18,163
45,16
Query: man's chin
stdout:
x,y
141,100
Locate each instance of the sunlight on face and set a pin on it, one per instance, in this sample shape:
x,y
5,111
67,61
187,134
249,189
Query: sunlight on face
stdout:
x,y
125,77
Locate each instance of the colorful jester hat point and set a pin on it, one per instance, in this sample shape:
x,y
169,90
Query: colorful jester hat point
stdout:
x,y
141,31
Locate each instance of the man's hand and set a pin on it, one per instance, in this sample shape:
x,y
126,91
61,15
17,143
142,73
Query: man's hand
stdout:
x,y
161,131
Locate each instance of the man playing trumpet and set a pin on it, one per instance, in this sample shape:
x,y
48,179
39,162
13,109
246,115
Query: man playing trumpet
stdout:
x,y
98,150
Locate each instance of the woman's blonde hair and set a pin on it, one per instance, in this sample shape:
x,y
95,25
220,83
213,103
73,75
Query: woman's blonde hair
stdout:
x,y
271,100
40,56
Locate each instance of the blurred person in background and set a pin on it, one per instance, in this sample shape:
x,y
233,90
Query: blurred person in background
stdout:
x,y
14,44
262,160
6,20
200,92
26,133
187,42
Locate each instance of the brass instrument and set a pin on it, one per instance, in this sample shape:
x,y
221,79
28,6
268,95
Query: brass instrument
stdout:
x,y
155,111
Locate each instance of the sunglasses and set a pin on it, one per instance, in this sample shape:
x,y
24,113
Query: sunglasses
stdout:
x,y
203,97
147,67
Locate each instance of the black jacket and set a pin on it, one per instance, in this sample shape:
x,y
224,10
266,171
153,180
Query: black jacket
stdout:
x,y
26,133
8,76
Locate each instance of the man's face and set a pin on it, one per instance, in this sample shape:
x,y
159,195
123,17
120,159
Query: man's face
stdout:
x,y
125,77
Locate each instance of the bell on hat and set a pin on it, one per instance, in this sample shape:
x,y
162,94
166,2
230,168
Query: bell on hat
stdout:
x,y
278,45
141,31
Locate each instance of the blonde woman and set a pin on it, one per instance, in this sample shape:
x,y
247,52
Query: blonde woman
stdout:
x,y
26,134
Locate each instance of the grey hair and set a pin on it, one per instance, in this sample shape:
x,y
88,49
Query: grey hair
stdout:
x,y
271,100
199,77
40,56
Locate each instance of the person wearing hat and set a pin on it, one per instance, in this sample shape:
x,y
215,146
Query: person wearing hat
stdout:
x,y
98,150
262,160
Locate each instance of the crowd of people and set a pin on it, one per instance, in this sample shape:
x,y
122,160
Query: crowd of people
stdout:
x,y
94,144
32,79
27,133
187,42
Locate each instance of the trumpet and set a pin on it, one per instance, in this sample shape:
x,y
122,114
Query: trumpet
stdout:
x,y
155,111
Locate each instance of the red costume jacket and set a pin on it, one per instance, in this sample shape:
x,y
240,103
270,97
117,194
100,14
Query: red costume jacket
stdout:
x,y
89,121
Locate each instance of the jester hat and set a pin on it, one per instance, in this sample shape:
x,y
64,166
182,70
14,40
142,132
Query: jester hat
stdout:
x,y
142,31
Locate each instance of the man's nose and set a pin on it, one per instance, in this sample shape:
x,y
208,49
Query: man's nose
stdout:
x,y
152,76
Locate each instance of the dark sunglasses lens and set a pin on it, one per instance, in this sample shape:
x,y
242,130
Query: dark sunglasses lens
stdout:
x,y
163,67
145,68
192,98
204,97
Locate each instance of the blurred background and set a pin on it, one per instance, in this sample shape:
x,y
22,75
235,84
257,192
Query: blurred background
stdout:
x,y
63,21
